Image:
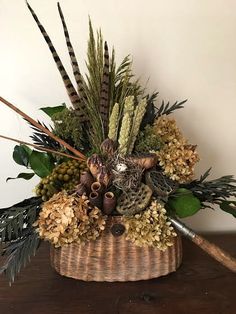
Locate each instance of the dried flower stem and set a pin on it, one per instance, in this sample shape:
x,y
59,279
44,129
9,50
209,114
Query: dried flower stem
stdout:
x,y
39,126
44,149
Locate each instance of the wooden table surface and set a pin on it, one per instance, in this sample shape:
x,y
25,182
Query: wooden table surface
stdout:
x,y
200,286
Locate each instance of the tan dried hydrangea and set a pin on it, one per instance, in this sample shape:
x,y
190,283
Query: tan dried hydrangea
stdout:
x,y
67,218
178,160
167,129
177,157
150,227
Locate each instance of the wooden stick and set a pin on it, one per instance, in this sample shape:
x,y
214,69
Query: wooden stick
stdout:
x,y
217,253
42,128
44,149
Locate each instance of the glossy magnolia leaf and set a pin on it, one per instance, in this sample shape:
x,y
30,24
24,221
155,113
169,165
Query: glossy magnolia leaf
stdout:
x,y
41,163
23,175
50,111
184,204
21,155
229,207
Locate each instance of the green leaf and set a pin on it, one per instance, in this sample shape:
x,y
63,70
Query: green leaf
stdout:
x,y
50,111
183,191
229,207
23,175
41,163
21,155
184,203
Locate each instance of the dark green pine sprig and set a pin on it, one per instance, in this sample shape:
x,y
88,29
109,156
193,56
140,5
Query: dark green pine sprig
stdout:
x,y
220,191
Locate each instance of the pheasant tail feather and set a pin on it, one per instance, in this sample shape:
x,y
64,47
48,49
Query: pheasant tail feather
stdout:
x,y
77,74
104,95
73,95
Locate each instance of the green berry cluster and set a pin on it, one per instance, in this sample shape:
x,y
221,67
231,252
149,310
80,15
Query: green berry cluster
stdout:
x,y
63,177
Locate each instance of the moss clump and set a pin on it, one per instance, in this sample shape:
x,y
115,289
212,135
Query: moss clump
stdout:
x,y
148,140
68,127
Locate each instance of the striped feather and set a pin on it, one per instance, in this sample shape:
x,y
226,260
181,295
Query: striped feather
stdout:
x,y
104,94
78,77
73,95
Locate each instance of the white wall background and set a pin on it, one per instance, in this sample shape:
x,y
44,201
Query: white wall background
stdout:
x,y
187,48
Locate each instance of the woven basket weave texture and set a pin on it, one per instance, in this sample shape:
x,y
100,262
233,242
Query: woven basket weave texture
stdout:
x,y
113,258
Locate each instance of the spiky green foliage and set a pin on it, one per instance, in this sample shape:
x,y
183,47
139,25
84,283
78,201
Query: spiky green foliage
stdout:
x,y
153,111
218,191
40,138
166,109
14,219
18,253
150,115
18,240
124,84
120,84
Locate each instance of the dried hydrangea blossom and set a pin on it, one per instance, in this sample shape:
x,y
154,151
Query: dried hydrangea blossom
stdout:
x,y
167,129
176,156
178,160
150,227
67,218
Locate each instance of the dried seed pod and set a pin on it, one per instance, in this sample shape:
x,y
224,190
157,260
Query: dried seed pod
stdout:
x,y
95,199
108,147
146,161
86,179
109,203
97,187
134,202
104,177
81,189
160,184
94,163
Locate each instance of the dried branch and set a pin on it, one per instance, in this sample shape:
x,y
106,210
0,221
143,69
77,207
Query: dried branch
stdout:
x,y
48,150
39,126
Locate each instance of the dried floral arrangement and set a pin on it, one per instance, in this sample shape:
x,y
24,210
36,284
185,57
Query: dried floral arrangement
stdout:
x,y
111,152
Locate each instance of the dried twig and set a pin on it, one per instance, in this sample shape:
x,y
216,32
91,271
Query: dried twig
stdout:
x,y
44,149
45,130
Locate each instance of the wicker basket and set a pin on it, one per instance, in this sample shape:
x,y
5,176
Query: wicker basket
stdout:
x,y
113,258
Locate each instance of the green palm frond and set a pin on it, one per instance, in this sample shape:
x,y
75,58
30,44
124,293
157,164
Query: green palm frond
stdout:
x,y
14,219
18,253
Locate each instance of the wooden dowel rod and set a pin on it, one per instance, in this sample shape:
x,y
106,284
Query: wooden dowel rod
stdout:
x,y
217,253
44,149
42,128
